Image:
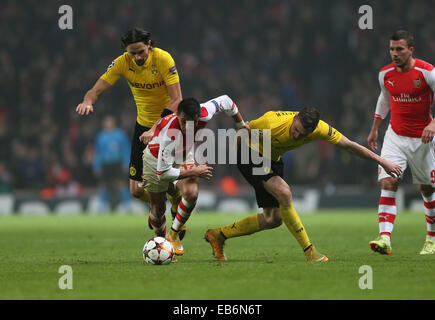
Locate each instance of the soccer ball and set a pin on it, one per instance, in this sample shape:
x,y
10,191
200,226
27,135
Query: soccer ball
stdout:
x,y
158,251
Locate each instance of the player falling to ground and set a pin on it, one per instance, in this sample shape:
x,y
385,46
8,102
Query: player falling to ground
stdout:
x,y
162,166
288,130
153,79
407,89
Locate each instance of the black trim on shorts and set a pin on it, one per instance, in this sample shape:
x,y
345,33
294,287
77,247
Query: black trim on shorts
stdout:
x,y
137,148
263,197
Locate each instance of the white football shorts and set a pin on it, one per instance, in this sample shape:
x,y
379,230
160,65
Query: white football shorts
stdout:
x,y
149,175
406,151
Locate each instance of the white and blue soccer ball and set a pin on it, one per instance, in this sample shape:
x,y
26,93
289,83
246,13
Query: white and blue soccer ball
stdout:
x,y
158,251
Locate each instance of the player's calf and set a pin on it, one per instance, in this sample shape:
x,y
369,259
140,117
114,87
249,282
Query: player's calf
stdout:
x,y
175,201
183,213
183,229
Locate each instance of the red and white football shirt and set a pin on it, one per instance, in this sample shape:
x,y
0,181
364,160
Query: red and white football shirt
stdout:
x,y
168,141
409,95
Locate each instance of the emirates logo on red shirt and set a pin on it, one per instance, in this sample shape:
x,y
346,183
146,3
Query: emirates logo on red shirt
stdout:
x,y
404,97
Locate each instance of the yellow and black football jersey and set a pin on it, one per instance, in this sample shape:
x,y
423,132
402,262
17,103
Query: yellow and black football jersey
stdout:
x,y
279,123
147,83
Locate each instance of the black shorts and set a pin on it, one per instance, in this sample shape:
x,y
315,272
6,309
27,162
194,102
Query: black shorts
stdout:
x,y
137,148
264,198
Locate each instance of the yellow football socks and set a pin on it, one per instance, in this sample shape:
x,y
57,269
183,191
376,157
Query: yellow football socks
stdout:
x,y
294,224
241,228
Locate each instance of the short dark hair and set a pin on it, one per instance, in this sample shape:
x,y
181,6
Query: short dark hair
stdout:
x,y
405,35
309,118
190,107
136,35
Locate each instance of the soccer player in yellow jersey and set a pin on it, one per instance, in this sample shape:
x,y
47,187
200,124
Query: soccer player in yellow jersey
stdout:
x,y
154,82
288,131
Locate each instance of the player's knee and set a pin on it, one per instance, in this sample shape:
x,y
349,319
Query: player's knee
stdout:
x,y
390,184
284,197
191,196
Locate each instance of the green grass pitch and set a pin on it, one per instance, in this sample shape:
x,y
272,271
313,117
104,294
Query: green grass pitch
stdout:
x,y
105,255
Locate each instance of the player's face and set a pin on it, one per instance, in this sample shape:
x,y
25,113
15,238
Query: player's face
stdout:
x,y
297,130
138,52
186,121
400,52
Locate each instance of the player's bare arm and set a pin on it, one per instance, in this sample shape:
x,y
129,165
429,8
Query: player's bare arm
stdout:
x,y
148,135
238,119
372,139
202,171
240,129
174,91
350,146
91,97
428,132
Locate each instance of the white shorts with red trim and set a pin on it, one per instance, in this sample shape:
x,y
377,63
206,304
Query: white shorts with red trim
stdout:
x,y
152,183
412,152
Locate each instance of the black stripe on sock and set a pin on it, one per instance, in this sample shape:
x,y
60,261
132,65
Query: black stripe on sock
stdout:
x,y
222,234
308,247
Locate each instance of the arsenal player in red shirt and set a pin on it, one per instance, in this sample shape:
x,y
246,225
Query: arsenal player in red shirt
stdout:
x,y
407,90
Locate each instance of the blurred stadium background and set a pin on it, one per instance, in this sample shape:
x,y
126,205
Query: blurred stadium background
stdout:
x,y
266,55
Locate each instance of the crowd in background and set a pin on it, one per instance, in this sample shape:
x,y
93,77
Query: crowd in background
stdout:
x,y
266,55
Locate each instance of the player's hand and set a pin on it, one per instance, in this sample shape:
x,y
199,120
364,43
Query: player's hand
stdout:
x,y
204,171
391,168
146,136
84,108
428,133
372,140
247,127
